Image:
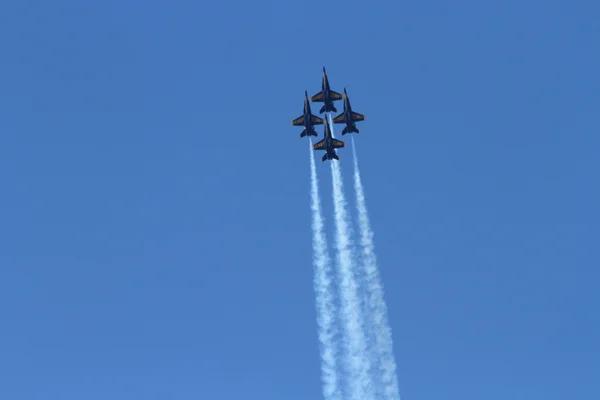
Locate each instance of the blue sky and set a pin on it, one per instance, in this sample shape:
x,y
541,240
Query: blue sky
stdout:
x,y
155,233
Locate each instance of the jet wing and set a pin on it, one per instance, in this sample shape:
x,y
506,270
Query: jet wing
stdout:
x,y
319,145
316,120
298,121
335,95
357,117
337,143
317,97
339,119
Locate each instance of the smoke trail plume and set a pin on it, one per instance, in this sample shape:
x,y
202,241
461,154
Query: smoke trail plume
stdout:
x,y
376,307
357,362
323,292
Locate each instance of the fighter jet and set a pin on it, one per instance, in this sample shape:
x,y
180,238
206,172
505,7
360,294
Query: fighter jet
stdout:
x,y
348,117
329,144
308,120
326,95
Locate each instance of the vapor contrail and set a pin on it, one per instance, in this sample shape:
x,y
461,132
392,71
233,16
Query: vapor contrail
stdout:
x,y
357,362
323,292
376,307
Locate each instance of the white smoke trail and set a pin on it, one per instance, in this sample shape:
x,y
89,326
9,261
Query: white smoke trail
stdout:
x,y
357,362
376,307
323,292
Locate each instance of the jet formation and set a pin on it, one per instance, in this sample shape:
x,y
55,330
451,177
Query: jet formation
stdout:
x,y
309,120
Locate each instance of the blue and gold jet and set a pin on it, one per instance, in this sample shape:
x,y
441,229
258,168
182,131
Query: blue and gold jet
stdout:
x,y
308,120
326,95
348,117
329,144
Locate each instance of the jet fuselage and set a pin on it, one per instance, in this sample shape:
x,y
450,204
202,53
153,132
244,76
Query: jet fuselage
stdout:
x,y
348,113
307,113
329,149
326,93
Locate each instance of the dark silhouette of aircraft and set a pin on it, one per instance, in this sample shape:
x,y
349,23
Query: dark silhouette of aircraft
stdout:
x,y
326,95
308,120
348,117
329,144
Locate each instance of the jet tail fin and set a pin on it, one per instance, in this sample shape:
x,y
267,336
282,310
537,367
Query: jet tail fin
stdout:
x,y
308,132
327,108
349,130
333,156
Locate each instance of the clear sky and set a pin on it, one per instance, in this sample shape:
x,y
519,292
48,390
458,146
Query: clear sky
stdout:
x,y
155,236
